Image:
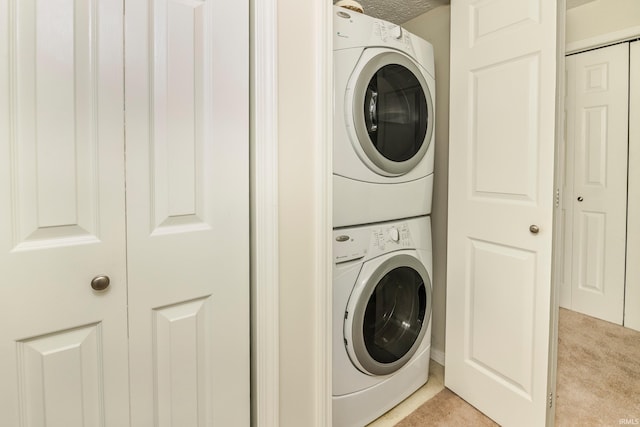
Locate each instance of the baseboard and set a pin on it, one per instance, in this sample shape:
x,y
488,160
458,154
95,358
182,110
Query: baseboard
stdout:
x,y
437,356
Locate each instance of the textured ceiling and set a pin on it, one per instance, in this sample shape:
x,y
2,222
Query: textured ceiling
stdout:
x,y
399,11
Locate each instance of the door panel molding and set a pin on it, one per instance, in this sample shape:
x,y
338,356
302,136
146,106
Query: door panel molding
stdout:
x,y
182,361
55,136
60,377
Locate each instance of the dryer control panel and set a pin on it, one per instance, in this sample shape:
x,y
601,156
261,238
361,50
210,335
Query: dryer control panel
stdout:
x,y
353,29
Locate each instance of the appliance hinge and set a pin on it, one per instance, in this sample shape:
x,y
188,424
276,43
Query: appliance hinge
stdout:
x,y
557,201
346,315
550,400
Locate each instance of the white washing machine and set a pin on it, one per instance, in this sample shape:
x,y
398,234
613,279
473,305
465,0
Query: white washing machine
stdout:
x,y
384,98
381,317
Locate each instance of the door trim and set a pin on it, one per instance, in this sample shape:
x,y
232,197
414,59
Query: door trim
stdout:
x,y
558,233
265,277
323,225
603,40
632,288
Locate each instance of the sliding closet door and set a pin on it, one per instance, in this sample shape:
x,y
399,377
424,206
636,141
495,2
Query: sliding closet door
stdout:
x,y
632,297
501,154
63,336
187,211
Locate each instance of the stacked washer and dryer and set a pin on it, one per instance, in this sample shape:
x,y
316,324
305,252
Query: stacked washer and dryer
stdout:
x,y
384,93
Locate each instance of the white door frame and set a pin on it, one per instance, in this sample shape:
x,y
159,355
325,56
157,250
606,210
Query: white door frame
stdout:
x,y
632,288
558,233
264,213
323,227
603,40
265,295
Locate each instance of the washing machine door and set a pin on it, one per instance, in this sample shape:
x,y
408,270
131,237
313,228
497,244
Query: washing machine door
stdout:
x,y
392,110
388,314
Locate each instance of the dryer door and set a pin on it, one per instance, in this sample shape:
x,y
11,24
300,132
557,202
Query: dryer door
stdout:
x,y
388,314
392,110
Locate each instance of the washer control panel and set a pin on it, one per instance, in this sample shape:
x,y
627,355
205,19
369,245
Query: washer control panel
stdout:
x,y
357,243
390,238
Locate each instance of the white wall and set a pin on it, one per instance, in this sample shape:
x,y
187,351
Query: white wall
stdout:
x,y
594,19
433,26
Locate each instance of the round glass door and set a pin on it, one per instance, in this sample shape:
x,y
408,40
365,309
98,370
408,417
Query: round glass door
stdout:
x,y
391,316
393,112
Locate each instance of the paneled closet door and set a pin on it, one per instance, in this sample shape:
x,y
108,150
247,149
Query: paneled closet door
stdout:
x,y
63,344
501,163
595,196
187,211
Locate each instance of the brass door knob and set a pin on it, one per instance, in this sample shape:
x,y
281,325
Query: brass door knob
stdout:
x,y
100,283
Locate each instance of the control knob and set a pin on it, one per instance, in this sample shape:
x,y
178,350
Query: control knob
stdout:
x,y
396,32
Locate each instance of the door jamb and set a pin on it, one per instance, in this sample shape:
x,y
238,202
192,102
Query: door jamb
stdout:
x,y
265,295
323,224
558,233
265,387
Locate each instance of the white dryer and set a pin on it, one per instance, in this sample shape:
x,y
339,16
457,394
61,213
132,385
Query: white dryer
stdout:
x,y
384,98
381,317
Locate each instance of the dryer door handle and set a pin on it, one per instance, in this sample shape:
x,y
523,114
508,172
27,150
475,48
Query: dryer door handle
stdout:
x,y
373,111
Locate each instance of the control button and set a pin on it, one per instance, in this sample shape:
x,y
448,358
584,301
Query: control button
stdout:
x,y
396,32
394,234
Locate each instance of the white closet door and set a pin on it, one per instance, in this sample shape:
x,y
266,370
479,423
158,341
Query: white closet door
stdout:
x,y
632,296
499,300
63,346
187,211
596,167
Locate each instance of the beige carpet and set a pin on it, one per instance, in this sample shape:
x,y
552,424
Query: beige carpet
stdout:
x,y
446,409
598,372
413,402
598,381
